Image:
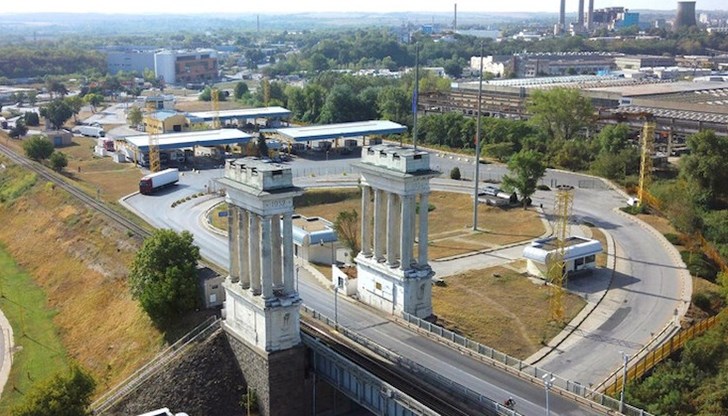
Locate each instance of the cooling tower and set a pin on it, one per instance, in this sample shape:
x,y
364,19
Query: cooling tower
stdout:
x,y
685,14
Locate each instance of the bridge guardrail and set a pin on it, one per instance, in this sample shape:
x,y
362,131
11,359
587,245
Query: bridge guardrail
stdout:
x,y
525,369
417,369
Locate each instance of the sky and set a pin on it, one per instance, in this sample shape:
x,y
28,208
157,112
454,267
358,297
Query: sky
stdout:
x,y
297,6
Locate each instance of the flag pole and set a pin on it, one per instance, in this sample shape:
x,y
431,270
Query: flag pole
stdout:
x,y
415,97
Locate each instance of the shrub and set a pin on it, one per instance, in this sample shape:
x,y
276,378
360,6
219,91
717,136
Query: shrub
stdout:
x,y
455,173
542,187
673,238
701,301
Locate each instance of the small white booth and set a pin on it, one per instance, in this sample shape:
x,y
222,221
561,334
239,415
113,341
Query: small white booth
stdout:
x,y
579,255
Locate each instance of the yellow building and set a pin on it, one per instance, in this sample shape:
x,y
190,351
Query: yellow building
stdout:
x,y
165,121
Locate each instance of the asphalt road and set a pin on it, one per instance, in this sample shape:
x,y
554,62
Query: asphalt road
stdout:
x,y
645,293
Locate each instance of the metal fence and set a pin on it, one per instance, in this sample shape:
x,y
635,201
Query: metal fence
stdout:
x,y
112,397
579,392
647,362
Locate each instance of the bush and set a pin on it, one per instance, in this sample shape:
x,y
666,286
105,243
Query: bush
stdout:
x,y
673,238
58,161
700,265
31,119
542,187
68,395
455,173
701,301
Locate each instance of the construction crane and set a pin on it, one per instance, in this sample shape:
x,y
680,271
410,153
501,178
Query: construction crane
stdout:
x,y
556,273
215,98
155,164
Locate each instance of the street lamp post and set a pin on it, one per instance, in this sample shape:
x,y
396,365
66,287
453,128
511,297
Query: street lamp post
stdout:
x,y
336,305
548,382
624,381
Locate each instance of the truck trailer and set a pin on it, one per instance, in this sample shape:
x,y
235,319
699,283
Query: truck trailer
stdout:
x,y
155,181
91,131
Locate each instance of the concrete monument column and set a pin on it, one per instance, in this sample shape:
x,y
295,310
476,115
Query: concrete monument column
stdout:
x,y
407,232
397,230
392,219
422,247
366,221
254,253
288,277
243,244
265,258
277,265
380,230
233,236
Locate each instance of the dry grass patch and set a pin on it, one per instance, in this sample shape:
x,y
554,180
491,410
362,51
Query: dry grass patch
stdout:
x,y
598,234
79,261
508,313
662,225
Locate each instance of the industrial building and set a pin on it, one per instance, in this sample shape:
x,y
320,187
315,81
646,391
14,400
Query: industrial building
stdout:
x,y
180,67
643,61
165,121
129,60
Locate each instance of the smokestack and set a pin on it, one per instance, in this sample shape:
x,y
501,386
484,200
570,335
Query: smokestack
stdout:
x,y
685,14
455,19
580,19
562,16
257,22
590,16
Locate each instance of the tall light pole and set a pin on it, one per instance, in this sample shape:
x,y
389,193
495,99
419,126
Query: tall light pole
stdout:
x,y
624,381
336,305
548,382
477,143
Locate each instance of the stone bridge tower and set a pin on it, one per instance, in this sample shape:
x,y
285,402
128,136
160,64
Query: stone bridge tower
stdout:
x,y
395,188
261,313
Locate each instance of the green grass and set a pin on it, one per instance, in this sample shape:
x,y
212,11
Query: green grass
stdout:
x,y
38,349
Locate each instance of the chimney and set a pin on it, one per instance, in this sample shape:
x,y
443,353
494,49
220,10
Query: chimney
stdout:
x,y
580,18
562,16
590,16
455,19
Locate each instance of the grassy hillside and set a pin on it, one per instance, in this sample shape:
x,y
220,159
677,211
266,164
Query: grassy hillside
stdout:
x,y
77,263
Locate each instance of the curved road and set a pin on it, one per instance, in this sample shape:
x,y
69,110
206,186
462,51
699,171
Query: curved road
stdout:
x,y
647,287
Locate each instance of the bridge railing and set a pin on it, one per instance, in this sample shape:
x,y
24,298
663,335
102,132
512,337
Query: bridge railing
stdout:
x,y
525,370
419,371
201,332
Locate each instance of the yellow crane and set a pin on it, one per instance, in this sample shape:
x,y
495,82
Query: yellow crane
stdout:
x,y
215,98
556,272
155,164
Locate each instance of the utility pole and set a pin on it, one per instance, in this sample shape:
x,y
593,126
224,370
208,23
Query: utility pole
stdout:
x,y
477,143
624,382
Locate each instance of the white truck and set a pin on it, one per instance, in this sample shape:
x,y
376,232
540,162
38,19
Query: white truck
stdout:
x,y
155,181
91,131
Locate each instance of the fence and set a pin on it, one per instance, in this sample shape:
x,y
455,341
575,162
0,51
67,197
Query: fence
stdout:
x,y
200,333
646,363
579,392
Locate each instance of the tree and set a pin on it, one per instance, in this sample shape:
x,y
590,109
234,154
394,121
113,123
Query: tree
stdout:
x,y
163,275
19,130
707,164
241,89
93,99
55,86
526,169
75,103
31,118
560,112
38,148
135,116
61,395
57,112
58,161
347,227
394,104
32,97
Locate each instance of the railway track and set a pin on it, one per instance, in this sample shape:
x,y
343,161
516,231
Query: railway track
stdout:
x,y
427,395
99,206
